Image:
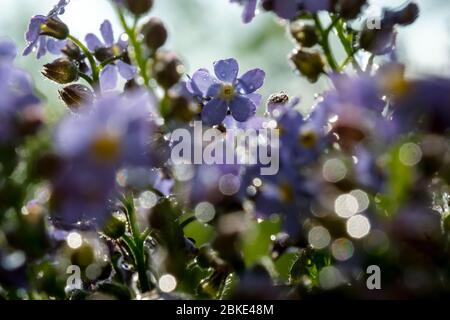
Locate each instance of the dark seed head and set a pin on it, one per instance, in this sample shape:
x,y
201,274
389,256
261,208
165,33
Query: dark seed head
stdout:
x,y
61,70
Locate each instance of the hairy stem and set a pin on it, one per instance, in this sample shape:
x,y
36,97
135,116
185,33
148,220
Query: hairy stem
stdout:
x,y
89,56
137,47
325,44
136,244
339,26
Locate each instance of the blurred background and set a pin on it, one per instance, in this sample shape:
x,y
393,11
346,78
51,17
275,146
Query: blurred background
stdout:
x,y
202,31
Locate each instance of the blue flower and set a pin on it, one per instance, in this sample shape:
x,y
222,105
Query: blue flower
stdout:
x,y
109,74
227,92
423,106
19,105
36,37
287,194
112,134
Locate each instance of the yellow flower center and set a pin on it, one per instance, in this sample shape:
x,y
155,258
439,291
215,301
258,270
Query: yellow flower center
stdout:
x,y
106,147
308,138
286,192
227,92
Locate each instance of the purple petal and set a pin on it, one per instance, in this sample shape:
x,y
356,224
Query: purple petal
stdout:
x,y
108,78
29,48
42,47
33,32
249,11
125,70
213,91
251,81
93,42
59,9
226,70
255,97
242,108
200,83
214,112
55,46
34,28
107,33
123,44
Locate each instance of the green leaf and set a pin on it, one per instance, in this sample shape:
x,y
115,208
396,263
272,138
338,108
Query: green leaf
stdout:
x,y
256,240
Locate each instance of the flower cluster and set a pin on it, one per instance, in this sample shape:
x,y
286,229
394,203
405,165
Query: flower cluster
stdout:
x,y
227,92
114,189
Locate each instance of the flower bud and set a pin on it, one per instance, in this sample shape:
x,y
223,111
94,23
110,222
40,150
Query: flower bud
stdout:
x,y
82,256
131,85
181,108
275,102
72,51
55,28
268,5
61,70
304,34
76,95
350,9
138,7
377,41
155,33
309,64
168,69
104,53
115,227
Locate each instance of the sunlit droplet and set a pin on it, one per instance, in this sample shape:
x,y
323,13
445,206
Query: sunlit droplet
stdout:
x,y
342,249
229,184
334,170
167,283
183,172
358,226
410,154
13,261
346,205
362,198
330,277
74,240
257,182
319,237
148,200
205,212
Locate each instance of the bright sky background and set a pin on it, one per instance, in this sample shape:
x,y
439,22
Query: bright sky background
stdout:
x,y
203,31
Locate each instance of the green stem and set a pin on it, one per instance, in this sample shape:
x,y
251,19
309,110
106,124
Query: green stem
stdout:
x,y
89,56
88,79
136,244
325,43
137,47
346,61
347,45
